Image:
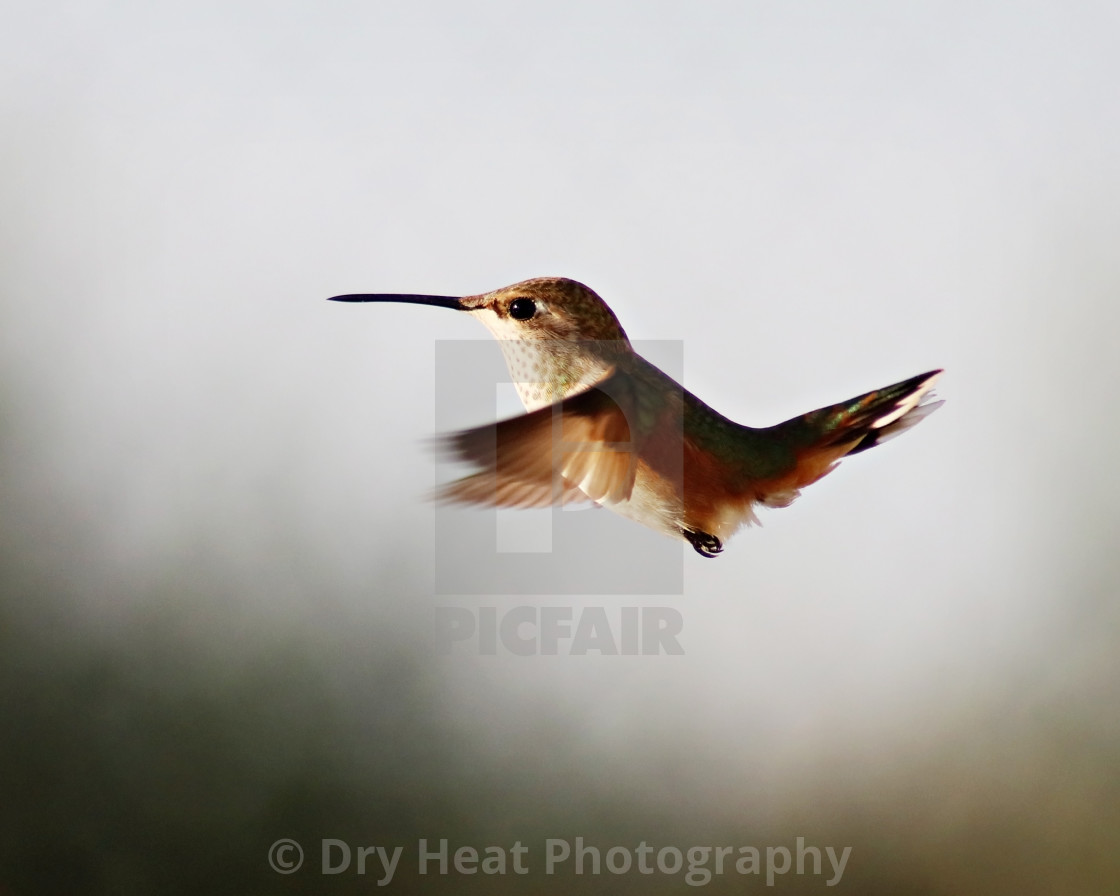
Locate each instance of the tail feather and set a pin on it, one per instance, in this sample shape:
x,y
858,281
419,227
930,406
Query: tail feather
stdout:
x,y
822,437
869,419
913,404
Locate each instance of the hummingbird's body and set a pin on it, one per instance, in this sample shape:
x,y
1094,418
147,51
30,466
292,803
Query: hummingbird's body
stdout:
x,y
606,425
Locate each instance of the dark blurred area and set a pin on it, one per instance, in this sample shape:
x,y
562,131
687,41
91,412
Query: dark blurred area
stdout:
x,y
161,736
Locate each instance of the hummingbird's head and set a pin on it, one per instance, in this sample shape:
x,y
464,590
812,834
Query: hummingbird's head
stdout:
x,y
558,337
552,308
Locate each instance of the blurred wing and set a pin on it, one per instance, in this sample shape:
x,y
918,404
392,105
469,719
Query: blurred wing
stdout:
x,y
573,450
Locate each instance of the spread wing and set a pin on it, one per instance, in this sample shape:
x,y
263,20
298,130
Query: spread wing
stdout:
x,y
576,449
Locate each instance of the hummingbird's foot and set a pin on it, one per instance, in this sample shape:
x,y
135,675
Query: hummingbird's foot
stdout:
x,y
706,545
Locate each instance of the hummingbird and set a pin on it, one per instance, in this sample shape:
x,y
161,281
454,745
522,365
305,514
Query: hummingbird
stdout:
x,y
604,424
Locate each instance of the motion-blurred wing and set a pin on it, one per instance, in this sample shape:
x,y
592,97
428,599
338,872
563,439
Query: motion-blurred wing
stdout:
x,y
573,450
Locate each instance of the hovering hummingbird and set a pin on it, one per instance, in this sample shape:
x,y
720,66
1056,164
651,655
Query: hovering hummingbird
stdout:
x,y
606,425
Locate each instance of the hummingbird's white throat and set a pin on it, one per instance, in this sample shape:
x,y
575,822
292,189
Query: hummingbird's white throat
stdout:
x,y
545,367
545,371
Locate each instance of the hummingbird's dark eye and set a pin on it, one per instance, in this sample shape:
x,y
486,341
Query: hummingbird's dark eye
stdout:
x,y
522,309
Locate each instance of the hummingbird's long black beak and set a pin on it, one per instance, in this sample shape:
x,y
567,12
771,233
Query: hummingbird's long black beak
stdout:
x,y
438,301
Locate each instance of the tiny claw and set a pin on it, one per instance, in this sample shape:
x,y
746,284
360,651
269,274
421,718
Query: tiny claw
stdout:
x,y
706,545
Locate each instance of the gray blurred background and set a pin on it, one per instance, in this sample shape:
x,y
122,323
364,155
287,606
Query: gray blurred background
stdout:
x,y
215,556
